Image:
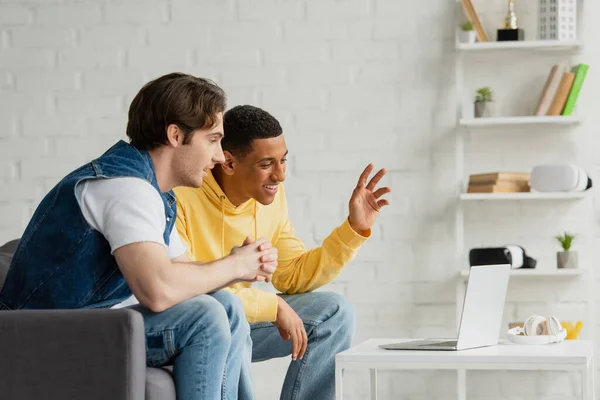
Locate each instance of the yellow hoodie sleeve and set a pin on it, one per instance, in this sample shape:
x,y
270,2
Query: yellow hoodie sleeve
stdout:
x,y
181,226
302,271
260,306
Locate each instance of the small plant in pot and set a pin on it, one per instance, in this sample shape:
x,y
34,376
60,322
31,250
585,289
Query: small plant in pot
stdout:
x,y
467,34
566,258
484,102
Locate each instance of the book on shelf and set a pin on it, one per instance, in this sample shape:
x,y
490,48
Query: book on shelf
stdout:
x,y
499,182
499,187
548,91
562,92
493,177
472,16
580,71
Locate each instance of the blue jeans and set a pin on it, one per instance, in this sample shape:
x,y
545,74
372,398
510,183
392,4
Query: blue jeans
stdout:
x,y
206,339
211,345
329,322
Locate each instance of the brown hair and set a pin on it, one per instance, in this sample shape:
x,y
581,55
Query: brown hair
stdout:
x,y
185,100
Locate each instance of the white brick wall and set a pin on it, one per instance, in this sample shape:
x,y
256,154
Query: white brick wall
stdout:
x,y
351,81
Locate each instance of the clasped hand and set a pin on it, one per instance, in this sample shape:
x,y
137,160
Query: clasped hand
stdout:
x,y
256,261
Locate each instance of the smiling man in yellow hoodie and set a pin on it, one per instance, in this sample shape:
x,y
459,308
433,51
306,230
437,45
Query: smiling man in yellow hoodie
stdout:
x,y
244,199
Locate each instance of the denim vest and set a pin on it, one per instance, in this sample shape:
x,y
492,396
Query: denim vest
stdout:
x,y
61,262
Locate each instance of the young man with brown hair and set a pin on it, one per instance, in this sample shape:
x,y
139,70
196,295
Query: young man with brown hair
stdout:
x,y
105,231
244,196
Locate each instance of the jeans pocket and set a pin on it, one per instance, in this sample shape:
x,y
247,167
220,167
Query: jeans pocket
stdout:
x,y
160,348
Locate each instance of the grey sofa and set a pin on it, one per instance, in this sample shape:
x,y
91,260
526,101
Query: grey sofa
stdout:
x,y
76,354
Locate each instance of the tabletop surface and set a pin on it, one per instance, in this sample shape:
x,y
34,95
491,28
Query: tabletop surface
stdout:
x,y
567,352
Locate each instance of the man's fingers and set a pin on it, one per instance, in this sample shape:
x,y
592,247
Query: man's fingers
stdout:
x,y
260,278
375,180
261,241
383,202
304,342
268,257
272,250
381,191
362,181
269,268
265,246
247,241
295,345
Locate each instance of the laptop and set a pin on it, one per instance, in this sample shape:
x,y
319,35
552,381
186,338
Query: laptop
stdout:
x,y
482,312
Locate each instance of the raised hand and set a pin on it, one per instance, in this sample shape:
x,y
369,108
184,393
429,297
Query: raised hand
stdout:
x,y
365,203
255,261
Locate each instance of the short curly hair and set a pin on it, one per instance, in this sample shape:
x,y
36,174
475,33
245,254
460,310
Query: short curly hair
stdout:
x,y
243,124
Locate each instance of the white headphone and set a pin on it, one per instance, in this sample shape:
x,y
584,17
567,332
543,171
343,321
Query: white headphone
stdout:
x,y
538,330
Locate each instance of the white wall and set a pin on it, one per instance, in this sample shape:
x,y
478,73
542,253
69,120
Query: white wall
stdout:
x,y
351,82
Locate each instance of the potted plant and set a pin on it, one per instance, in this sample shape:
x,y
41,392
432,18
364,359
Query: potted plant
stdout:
x,y
467,34
483,102
566,258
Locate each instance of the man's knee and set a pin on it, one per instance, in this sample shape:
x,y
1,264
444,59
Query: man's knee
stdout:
x,y
234,309
233,304
339,309
207,319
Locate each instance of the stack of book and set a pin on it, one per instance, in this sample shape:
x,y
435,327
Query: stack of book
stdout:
x,y
499,182
561,90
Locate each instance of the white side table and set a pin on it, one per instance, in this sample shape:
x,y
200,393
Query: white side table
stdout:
x,y
570,355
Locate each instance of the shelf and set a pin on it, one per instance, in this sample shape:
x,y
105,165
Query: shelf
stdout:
x,y
524,120
536,273
523,196
547,45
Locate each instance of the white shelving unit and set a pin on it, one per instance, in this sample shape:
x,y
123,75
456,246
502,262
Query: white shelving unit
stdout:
x,y
540,45
538,274
525,120
523,196
544,273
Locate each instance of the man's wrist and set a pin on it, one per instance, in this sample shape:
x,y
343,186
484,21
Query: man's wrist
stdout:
x,y
280,302
235,266
355,228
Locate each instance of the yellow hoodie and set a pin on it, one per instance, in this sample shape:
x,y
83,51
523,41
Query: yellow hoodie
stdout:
x,y
210,225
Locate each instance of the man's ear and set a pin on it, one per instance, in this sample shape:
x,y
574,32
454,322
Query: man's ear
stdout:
x,y
174,135
230,163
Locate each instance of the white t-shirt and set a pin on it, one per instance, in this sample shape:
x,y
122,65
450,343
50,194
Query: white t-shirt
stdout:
x,y
126,210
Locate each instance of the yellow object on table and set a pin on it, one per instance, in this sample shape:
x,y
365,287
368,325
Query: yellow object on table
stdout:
x,y
572,330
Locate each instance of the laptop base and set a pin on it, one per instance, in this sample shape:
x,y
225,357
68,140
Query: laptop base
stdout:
x,y
426,344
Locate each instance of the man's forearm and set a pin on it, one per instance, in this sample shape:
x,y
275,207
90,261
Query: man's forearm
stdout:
x,y
184,280
160,283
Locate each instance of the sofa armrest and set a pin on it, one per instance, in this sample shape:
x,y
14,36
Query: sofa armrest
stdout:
x,y
72,354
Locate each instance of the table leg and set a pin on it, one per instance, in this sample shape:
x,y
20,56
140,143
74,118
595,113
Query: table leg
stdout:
x,y
338,382
587,381
373,384
461,384
592,378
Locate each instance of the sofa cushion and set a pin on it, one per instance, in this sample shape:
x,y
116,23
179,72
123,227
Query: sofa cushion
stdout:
x,y
4,263
159,384
6,252
159,381
9,247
